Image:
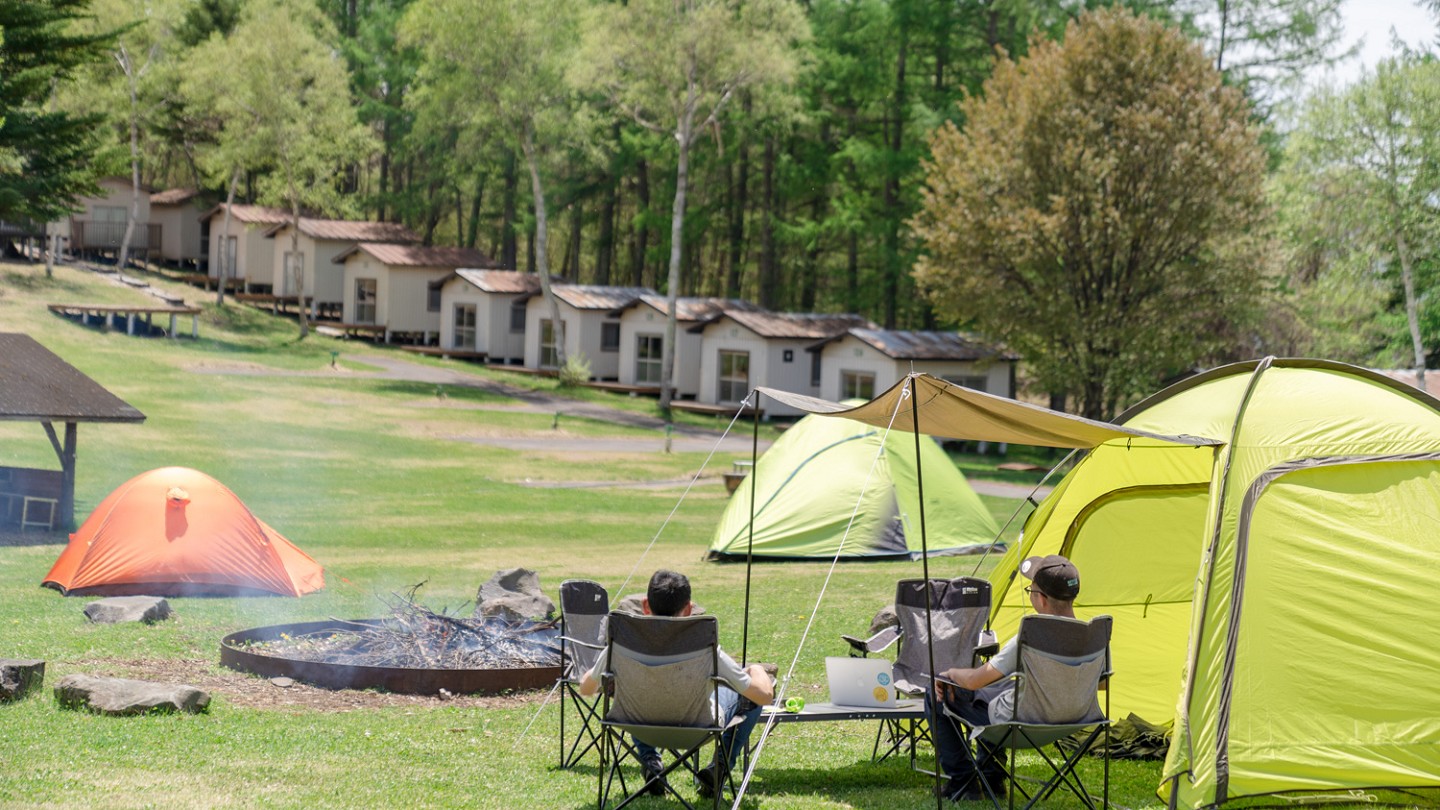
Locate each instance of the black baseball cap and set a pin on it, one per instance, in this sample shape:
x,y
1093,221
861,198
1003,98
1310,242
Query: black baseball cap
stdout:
x,y
1055,576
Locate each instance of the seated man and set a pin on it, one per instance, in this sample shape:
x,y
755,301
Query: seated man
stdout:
x,y
669,595
1057,583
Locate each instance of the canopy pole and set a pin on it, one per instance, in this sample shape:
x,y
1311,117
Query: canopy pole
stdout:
x,y
750,540
925,568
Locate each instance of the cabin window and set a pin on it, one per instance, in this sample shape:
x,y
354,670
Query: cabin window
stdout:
x,y
517,318
550,339
365,299
973,382
648,356
734,376
464,327
609,337
432,298
815,369
857,385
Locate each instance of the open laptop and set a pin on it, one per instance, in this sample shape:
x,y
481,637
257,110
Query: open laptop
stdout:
x,y
863,683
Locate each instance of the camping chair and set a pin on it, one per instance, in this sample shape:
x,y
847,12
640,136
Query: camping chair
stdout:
x,y
661,686
1061,665
583,607
959,610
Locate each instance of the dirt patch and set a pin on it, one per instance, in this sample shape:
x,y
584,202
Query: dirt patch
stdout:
x,y
255,692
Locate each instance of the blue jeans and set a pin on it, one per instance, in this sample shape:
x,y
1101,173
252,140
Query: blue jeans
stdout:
x,y
733,741
952,749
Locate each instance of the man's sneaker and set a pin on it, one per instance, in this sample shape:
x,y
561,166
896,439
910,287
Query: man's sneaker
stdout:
x,y
655,783
708,780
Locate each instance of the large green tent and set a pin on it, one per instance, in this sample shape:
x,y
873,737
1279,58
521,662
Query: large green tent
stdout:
x,y
823,472
1290,572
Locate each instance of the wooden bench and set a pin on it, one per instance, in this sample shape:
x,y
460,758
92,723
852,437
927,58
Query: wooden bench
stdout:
x,y
623,388
448,354
349,330
690,406
107,313
537,372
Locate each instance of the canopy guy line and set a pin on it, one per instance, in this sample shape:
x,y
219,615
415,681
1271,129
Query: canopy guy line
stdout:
x,y
784,684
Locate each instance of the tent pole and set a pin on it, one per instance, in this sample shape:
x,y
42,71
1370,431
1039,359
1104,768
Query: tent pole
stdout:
x,y
932,697
750,540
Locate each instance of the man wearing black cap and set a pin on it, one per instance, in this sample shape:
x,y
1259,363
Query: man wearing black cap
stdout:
x,y
1056,583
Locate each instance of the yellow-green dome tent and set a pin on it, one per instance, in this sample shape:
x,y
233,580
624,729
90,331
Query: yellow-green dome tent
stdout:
x,y
823,471
1290,571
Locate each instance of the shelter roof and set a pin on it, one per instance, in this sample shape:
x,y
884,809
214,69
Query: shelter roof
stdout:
x,y
794,325
956,412
174,196
419,255
693,309
595,296
495,281
250,214
346,230
905,345
36,385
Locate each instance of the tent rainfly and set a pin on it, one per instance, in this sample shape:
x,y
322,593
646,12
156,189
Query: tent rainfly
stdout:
x,y
807,486
1271,587
178,532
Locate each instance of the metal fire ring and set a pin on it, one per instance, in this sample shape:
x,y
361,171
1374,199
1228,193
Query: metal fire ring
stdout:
x,y
401,680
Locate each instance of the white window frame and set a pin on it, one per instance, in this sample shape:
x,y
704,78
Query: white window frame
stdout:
x,y
729,380
648,366
367,308
857,385
549,344
463,336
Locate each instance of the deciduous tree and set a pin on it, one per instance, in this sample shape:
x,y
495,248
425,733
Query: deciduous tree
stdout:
x,y
674,67
1096,212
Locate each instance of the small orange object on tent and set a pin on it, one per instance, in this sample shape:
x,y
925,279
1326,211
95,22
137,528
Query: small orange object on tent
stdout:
x,y
178,532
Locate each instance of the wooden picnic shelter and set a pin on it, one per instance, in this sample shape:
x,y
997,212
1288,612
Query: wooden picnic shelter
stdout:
x,y
37,386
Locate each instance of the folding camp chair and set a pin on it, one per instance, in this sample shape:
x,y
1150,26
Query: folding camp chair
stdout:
x,y
583,608
1061,663
662,681
959,610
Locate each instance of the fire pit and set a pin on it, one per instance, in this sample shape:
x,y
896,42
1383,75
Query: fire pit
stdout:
x,y
417,654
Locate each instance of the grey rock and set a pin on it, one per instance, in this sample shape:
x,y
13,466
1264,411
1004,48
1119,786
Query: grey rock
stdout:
x,y
117,609
886,617
122,696
19,676
513,595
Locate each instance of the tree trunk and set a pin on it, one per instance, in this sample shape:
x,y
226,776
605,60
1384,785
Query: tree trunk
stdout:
x,y
542,261
473,235
738,204
890,260
672,284
49,251
1412,306
509,255
605,242
640,238
222,256
769,267
572,253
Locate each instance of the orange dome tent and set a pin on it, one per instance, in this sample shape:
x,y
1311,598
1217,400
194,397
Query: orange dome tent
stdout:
x,y
178,532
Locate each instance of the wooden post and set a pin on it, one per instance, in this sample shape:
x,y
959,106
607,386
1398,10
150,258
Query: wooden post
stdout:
x,y
130,324
65,510
195,326
172,326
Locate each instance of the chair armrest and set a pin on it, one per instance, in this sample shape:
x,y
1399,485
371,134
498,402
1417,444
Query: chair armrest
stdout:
x,y
876,643
577,642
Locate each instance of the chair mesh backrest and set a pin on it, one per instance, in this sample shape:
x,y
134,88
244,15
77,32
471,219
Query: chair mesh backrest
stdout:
x,y
664,669
959,609
583,609
1062,661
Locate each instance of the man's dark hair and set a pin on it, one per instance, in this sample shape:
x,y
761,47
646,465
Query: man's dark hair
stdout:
x,y
669,593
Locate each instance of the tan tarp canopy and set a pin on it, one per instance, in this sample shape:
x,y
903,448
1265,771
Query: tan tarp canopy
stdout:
x,y
955,412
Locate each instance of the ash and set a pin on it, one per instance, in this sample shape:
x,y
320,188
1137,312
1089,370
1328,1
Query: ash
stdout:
x,y
416,637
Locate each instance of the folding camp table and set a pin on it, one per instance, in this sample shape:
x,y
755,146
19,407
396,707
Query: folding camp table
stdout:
x,y
901,721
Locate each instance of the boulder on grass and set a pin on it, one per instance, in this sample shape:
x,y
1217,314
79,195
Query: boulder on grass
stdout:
x,y
122,696
513,595
118,609
19,676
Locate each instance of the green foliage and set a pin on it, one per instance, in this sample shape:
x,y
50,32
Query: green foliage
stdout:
x,y
53,148
1356,192
1098,211
576,370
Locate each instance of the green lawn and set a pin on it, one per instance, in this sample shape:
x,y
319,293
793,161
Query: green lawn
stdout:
x,y
368,477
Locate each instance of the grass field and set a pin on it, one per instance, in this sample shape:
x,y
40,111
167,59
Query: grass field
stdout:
x,y
375,479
